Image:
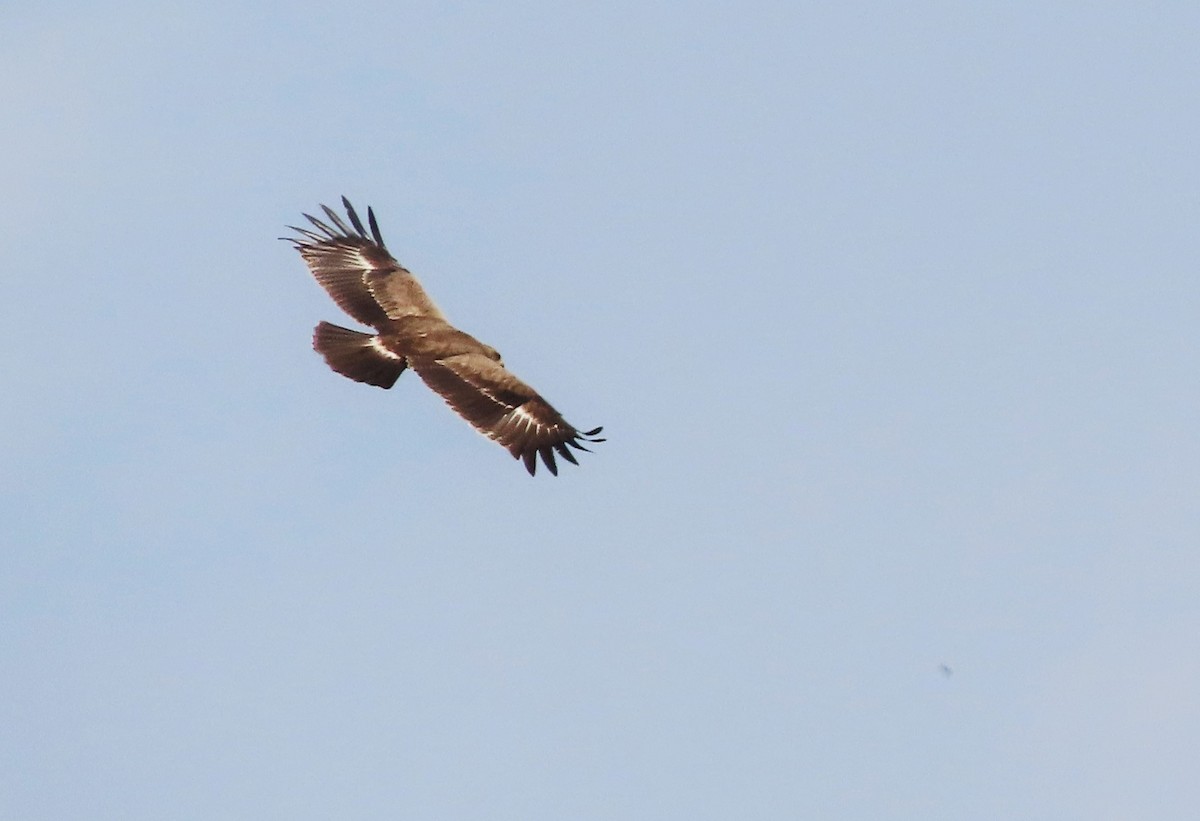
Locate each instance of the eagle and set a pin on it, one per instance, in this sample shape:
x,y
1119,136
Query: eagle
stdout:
x,y
366,281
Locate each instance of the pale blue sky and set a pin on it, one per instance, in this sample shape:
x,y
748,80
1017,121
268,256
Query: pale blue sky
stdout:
x,y
890,312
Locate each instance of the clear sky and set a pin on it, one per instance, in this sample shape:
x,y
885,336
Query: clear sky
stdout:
x,y
889,310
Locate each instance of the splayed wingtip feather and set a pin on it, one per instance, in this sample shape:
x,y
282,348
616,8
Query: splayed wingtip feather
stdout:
x,y
374,226
329,212
548,459
358,226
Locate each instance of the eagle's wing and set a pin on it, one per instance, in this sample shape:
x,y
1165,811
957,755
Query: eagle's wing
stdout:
x,y
399,294
504,408
345,260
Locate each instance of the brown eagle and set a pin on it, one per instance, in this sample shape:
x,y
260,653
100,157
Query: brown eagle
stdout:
x,y
367,282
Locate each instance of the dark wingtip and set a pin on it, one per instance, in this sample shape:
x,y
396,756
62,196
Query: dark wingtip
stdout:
x,y
350,212
333,216
322,227
548,459
530,457
374,227
587,436
565,452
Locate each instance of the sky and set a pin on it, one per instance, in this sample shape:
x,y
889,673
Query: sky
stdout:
x,y
889,312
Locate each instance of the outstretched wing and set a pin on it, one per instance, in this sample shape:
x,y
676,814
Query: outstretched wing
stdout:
x,y
504,408
345,260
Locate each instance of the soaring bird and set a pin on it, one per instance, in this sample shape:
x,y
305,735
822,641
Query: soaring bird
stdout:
x,y
367,282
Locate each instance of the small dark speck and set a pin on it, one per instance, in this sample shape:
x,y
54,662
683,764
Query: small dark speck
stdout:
x,y
946,670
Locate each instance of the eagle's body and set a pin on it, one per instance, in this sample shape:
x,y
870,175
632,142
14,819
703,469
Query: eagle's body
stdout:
x,y
372,287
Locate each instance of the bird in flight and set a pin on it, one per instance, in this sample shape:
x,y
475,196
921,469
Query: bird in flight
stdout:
x,y
367,282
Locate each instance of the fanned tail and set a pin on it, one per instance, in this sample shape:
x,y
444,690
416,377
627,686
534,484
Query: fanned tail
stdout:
x,y
357,355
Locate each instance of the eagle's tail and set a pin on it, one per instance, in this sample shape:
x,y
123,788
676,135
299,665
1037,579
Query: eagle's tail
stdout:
x,y
357,355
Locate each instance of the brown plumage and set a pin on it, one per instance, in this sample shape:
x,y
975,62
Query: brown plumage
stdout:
x,y
367,282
